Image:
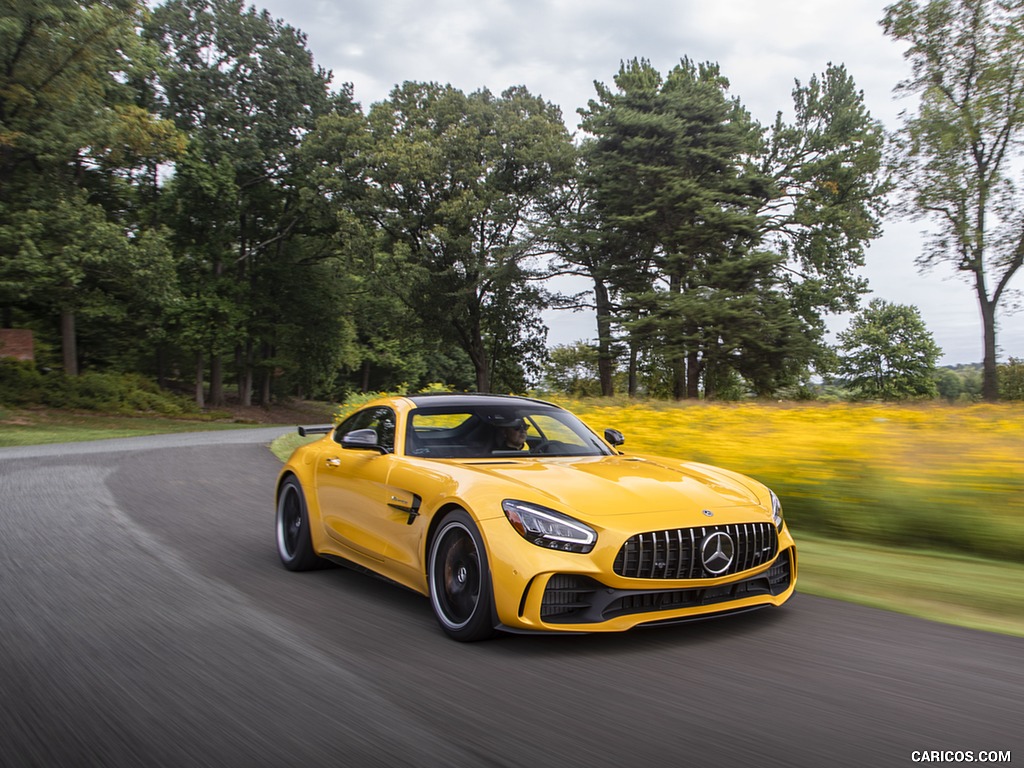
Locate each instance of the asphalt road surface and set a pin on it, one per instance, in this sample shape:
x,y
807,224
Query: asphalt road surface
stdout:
x,y
146,621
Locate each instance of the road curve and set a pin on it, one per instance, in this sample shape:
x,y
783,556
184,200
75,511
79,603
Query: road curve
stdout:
x,y
145,621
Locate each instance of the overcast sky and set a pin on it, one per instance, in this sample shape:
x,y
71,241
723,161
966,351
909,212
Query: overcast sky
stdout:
x,y
558,48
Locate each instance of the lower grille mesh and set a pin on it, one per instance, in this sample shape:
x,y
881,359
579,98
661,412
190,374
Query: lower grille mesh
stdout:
x,y
566,595
697,553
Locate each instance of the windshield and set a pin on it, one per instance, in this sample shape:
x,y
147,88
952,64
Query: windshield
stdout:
x,y
447,432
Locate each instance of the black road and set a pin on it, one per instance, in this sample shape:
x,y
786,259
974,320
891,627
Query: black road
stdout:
x,y
145,621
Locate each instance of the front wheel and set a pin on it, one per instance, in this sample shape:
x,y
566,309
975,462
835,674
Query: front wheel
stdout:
x,y
460,579
294,545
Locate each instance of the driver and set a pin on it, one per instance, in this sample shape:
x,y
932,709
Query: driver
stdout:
x,y
511,435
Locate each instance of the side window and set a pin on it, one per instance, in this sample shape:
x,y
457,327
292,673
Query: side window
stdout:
x,y
439,435
552,429
380,419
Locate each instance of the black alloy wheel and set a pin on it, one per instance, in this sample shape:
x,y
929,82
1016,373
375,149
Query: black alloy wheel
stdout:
x,y
294,545
460,580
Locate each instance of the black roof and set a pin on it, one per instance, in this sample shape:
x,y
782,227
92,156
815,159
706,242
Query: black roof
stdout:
x,y
465,399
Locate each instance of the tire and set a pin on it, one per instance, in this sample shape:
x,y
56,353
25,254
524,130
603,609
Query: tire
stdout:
x,y
460,580
294,546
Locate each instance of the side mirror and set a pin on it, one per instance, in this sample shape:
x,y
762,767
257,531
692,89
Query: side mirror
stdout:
x,y
614,437
362,440
306,431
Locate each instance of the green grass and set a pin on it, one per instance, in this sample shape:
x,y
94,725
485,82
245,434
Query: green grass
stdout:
x,y
283,446
39,427
964,591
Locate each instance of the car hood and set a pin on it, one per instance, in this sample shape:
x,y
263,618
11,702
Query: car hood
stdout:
x,y
616,485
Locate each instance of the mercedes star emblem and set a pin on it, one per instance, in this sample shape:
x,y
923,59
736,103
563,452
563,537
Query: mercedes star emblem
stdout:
x,y
717,552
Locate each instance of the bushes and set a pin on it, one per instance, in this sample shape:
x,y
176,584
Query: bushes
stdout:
x,y
1011,379
21,383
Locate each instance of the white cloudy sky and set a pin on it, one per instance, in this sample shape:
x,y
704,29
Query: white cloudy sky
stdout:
x,y
558,48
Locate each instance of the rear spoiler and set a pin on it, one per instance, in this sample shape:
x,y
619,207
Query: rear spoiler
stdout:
x,y
304,431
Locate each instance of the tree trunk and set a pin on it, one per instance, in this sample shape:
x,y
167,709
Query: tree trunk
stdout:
x,y
265,388
693,371
161,367
483,378
69,344
200,401
245,374
679,380
478,355
268,374
605,355
710,383
216,361
679,358
989,373
216,380
633,354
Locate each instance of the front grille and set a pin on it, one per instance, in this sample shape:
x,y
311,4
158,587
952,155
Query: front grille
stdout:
x,y
680,553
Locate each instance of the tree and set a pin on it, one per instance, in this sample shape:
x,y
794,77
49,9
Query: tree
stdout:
x,y
458,184
959,155
719,243
389,347
829,194
573,370
243,86
75,262
72,137
887,353
725,244
1011,379
669,172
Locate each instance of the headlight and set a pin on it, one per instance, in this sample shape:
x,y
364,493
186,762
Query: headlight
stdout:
x,y
776,510
549,529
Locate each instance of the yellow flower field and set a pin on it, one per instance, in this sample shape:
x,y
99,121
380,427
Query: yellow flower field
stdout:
x,y
947,477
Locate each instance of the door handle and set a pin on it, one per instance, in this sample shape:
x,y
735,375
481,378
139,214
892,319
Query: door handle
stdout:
x,y
333,462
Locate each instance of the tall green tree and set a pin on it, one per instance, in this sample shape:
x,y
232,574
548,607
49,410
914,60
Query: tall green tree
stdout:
x,y
390,348
459,184
740,238
245,89
671,171
888,353
72,137
830,188
958,157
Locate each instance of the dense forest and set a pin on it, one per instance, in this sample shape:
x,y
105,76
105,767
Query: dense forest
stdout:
x,y
186,196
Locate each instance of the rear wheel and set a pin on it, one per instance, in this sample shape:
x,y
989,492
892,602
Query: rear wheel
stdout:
x,y
460,579
294,545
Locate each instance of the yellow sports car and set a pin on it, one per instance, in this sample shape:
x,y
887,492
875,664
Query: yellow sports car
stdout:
x,y
510,514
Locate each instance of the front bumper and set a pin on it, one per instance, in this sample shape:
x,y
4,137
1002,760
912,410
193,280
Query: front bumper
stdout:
x,y
569,599
538,590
